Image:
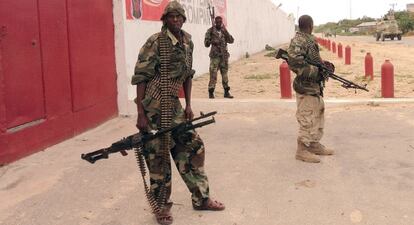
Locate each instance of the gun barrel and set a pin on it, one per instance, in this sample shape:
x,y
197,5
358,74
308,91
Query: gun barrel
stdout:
x,y
92,157
202,124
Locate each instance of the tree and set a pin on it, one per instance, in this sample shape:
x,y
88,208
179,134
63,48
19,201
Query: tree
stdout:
x,y
405,20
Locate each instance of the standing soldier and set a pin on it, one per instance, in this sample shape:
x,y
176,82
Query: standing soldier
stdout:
x,y
164,65
217,36
308,85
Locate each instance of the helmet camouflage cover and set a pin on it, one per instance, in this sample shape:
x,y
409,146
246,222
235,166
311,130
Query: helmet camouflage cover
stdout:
x,y
173,6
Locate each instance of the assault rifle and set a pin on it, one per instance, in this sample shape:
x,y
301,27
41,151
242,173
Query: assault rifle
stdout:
x,y
282,54
212,13
139,139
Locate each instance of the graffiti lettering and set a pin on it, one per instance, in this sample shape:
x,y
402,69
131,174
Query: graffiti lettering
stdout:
x,y
196,11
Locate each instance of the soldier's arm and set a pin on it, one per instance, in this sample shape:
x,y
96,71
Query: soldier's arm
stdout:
x,y
188,84
142,121
148,62
228,37
297,53
145,69
207,38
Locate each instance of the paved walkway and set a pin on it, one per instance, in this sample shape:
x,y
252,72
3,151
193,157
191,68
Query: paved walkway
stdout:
x,y
251,167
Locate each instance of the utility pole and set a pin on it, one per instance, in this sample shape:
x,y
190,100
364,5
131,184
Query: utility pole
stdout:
x,y
393,6
350,9
297,13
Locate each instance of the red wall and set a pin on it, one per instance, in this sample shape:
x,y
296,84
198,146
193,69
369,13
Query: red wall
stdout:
x,y
57,72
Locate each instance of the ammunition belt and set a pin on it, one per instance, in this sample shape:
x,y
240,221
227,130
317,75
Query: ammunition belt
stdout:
x,y
168,88
166,113
153,87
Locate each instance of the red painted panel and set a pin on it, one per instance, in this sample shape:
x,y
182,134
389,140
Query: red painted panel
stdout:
x,y
21,62
87,119
55,57
35,138
3,124
92,56
86,72
3,149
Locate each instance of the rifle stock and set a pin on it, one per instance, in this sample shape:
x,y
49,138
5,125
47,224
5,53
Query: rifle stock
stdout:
x,y
282,54
139,139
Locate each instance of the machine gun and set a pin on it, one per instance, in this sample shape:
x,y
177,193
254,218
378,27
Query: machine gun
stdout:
x,y
282,54
139,139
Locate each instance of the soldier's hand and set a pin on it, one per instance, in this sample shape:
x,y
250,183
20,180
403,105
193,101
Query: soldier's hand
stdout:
x,y
330,66
189,115
142,123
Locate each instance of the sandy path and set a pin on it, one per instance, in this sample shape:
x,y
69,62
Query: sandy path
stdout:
x,y
258,76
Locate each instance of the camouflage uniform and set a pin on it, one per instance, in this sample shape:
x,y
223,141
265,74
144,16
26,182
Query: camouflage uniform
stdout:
x,y
187,149
219,55
308,88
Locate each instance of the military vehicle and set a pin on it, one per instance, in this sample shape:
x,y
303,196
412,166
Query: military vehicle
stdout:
x,y
388,28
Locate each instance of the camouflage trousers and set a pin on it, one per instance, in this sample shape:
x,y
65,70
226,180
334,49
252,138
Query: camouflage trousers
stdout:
x,y
187,151
217,64
310,116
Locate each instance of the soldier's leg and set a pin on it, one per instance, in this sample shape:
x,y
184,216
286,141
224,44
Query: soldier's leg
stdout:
x,y
307,111
316,146
320,120
224,68
214,65
308,115
188,154
159,173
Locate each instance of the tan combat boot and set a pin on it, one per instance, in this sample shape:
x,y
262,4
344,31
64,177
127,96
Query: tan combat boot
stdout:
x,y
319,149
303,154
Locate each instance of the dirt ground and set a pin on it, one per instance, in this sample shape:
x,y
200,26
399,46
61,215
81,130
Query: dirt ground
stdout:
x,y
258,76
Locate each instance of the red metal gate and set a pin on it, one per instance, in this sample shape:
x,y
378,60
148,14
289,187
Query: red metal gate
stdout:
x,y
21,63
57,71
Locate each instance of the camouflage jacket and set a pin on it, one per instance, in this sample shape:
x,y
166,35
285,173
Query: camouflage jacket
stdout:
x,y
218,41
148,63
303,46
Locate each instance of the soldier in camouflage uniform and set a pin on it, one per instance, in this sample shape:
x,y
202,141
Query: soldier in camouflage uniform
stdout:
x,y
187,149
218,37
308,85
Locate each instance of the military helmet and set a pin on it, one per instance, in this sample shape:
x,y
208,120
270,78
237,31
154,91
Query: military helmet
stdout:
x,y
174,6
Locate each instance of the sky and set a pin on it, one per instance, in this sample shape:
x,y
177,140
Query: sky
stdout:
x,y
323,11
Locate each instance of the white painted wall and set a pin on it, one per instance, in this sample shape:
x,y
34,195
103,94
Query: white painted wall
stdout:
x,y
253,24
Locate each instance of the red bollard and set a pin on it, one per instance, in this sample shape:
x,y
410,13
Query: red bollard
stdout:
x,y
369,66
181,93
387,79
285,86
333,47
339,50
329,45
347,55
